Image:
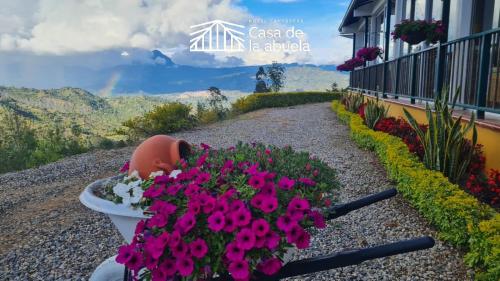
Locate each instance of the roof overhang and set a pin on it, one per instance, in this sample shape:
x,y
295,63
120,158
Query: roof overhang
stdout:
x,y
356,10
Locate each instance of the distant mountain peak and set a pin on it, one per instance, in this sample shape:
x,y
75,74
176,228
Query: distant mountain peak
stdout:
x,y
161,58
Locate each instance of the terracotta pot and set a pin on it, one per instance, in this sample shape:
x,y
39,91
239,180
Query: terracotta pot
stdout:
x,y
158,153
414,38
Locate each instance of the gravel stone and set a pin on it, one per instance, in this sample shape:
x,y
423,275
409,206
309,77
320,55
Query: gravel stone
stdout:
x,y
46,234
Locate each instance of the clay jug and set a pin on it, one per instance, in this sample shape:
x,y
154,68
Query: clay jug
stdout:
x,y
158,153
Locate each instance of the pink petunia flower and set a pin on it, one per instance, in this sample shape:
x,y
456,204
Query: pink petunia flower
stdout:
x,y
293,234
201,160
318,219
185,266
230,225
307,181
239,269
303,240
139,228
269,204
168,267
180,250
153,191
256,181
242,217
298,203
209,204
192,189
257,201
173,189
205,146
216,221
125,253
237,205
125,167
252,170
285,223
270,266
194,205
163,207
175,238
185,223
260,227
234,252
260,242
135,261
154,247
268,189
198,248
203,178
221,206
286,184
245,239
158,220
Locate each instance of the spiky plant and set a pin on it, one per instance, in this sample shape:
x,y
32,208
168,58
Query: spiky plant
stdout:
x,y
353,101
446,147
374,111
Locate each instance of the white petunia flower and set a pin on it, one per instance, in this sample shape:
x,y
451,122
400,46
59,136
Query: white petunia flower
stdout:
x,y
155,174
175,173
134,175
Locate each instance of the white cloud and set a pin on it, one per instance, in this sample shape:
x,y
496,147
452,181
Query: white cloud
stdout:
x,y
62,27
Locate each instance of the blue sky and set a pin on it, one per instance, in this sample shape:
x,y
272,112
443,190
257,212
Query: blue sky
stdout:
x,y
65,31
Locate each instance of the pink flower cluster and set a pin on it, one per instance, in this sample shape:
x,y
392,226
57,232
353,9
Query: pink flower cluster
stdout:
x,y
222,216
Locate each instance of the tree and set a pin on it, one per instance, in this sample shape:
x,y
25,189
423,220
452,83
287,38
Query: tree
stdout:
x,y
261,77
276,73
335,87
216,102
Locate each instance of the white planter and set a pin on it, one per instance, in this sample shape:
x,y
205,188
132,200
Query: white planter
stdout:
x,y
124,217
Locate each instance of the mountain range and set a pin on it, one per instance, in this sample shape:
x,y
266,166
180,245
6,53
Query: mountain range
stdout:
x,y
156,74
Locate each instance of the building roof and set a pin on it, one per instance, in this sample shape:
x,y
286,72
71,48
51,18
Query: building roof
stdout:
x,y
349,15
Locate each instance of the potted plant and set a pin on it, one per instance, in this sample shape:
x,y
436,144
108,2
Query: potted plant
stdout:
x,y
416,31
369,53
228,211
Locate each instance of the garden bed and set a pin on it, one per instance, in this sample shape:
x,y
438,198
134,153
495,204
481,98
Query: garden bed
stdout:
x,y
460,218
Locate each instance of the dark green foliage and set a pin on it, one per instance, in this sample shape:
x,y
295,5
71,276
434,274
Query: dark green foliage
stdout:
x,y
163,119
258,101
353,101
446,147
276,74
22,146
216,102
261,77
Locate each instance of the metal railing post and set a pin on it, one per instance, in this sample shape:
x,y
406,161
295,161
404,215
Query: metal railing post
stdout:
x,y
439,69
413,88
484,71
396,83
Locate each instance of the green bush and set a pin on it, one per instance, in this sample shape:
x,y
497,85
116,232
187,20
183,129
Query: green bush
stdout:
x,y
460,218
163,119
266,100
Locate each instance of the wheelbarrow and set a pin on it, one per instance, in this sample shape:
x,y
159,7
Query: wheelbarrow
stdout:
x,y
339,259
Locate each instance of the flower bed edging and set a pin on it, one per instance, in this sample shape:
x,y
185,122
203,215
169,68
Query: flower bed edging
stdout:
x,y
460,218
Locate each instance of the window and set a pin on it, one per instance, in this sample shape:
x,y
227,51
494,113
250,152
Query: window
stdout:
x,y
419,9
437,9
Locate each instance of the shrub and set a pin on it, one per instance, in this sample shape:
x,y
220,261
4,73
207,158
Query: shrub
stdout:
x,y
353,101
258,101
400,128
446,147
458,216
163,119
373,112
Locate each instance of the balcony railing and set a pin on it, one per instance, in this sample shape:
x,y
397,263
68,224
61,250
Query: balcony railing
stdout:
x,y
471,64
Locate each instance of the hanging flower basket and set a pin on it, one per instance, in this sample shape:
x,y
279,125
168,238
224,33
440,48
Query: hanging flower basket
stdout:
x,y
417,31
369,53
230,211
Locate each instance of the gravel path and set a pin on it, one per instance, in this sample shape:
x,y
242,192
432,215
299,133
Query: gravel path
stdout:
x,y
46,234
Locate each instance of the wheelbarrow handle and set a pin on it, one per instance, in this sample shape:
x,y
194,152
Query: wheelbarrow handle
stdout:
x,y
343,209
341,259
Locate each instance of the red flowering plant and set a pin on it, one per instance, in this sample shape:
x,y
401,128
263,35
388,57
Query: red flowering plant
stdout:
x,y
230,211
400,128
369,53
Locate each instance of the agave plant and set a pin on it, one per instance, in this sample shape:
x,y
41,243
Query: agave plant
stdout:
x,y
446,147
353,101
374,111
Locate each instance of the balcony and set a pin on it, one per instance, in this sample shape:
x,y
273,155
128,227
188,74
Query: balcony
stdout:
x,y
470,64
